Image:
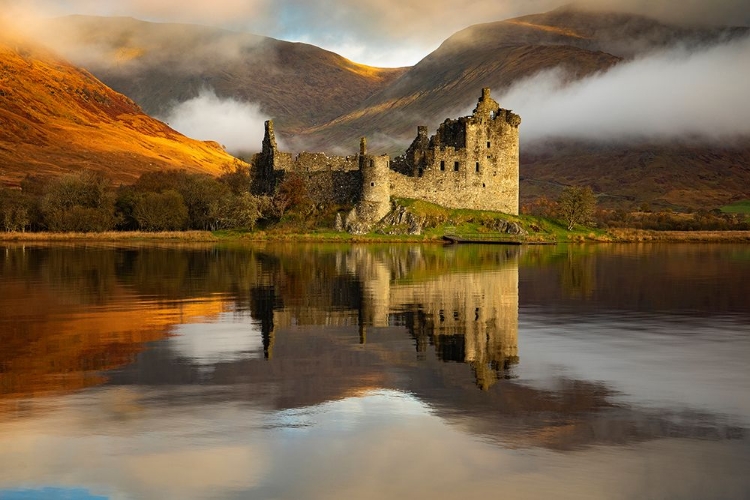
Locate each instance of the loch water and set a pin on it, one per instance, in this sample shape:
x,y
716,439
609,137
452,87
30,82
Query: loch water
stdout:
x,y
313,371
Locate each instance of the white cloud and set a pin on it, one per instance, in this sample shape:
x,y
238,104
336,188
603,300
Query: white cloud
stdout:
x,y
669,94
237,125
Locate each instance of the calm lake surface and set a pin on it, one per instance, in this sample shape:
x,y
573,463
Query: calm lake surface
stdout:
x,y
346,372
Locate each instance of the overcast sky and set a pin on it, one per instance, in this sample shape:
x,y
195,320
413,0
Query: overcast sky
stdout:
x,y
376,32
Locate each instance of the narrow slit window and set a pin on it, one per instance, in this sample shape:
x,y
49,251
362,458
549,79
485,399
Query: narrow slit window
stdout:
x,y
455,166
488,144
420,172
477,167
442,165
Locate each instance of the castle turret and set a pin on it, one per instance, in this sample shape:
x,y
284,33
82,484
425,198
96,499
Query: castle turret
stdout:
x,y
376,189
265,163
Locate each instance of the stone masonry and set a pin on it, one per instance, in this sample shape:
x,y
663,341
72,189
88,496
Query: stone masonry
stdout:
x,y
471,162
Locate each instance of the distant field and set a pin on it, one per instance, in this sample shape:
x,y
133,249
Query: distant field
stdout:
x,y
739,207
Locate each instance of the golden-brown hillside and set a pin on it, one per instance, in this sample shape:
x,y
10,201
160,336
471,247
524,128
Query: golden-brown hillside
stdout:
x,y
160,64
56,118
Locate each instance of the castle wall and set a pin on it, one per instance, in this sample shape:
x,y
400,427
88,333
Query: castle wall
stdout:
x,y
321,162
336,186
471,162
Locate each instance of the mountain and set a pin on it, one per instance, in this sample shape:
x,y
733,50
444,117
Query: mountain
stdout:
x,y
447,82
669,174
158,65
55,118
323,102
625,173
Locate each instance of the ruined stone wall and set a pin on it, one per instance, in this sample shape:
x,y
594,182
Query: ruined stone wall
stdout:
x,y
320,162
471,162
343,187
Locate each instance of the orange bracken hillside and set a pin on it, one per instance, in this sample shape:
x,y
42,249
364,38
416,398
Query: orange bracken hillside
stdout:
x,y
56,118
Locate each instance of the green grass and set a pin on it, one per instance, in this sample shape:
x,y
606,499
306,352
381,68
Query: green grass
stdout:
x,y
738,207
479,224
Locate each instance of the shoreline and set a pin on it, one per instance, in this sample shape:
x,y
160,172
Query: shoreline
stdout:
x,y
613,236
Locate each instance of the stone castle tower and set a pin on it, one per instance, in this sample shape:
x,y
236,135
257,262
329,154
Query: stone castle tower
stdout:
x,y
375,200
471,162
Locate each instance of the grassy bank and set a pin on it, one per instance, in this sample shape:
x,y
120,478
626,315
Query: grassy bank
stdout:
x,y
436,221
581,236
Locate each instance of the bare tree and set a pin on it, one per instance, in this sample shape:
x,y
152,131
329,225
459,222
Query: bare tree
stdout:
x,y
576,205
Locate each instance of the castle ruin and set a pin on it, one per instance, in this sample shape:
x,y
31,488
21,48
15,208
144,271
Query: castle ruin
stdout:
x,y
471,162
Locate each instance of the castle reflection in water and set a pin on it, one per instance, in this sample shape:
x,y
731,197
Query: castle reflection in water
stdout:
x,y
464,307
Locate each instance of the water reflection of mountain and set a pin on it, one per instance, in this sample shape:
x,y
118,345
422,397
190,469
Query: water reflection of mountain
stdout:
x,y
679,279
333,322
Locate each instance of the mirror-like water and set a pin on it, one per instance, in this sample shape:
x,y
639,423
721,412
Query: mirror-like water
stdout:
x,y
323,371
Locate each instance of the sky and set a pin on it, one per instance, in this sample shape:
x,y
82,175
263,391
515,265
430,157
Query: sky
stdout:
x,y
376,32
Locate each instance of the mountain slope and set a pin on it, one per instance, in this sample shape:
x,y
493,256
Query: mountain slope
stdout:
x,y
673,174
498,54
158,65
56,118
446,84
677,174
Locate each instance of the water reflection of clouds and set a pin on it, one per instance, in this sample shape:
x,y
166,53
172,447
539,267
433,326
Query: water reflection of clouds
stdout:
x,y
225,339
394,446
656,363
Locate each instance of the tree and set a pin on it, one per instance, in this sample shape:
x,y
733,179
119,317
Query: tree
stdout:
x,y
14,210
238,211
78,202
237,176
202,194
292,194
576,205
161,211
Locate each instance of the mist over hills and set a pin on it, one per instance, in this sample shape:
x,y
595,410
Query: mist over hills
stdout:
x,y
57,118
162,65
643,110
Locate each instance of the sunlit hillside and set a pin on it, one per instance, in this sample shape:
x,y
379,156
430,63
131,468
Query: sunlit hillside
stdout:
x,y
160,64
58,118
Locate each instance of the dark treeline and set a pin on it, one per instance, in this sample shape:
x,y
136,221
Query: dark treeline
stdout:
x,y
701,220
157,201
644,218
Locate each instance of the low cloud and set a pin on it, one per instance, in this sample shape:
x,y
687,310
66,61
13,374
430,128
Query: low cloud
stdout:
x,y
671,94
380,32
237,125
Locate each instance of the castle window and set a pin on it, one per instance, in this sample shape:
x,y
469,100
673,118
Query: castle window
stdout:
x,y
477,167
455,166
442,165
488,144
372,184
420,172
483,185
